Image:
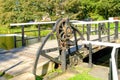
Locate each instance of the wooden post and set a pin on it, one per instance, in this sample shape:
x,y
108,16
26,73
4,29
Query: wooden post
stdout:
x,y
63,60
75,36
52,35
116,30
99,32
39,32
83,28
96,29
88,31
108,33
23,38
15,43
90,55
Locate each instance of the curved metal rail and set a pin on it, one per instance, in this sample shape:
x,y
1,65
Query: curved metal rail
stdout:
x,y
41,47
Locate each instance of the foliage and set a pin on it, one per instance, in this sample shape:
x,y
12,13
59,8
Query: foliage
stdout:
x,y
108,8
14,11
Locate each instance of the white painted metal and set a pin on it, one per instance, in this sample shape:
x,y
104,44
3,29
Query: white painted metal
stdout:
x,y
3,35
36,23
114,67
31,23
94,22
101,43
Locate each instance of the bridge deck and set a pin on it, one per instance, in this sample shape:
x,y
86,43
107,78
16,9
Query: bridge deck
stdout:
x,y
24,58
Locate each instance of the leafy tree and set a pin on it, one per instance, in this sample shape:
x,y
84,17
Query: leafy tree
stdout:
x,y
108,8
16,11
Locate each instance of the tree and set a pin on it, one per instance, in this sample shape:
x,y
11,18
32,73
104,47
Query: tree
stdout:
x,y
108,8
16,11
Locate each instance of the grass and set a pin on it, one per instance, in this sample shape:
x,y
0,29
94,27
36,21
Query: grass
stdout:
x,y
5,75
39,78
83,76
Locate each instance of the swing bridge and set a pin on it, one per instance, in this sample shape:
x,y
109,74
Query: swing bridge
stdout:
x,y
75,38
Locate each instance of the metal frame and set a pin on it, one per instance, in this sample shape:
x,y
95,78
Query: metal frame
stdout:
x,y
61,28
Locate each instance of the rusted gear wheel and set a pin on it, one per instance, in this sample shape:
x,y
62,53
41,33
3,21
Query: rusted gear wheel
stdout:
x,y
74,60
64,33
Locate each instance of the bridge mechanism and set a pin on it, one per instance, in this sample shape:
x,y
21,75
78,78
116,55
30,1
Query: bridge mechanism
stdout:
x,y
67,38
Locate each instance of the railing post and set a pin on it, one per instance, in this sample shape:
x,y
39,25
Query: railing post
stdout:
x,y
108,33
88,31
90,55
75,36
15,43
83,28
114,67
23,38
52,36
96,29
110,70
99,32
63,60
116,30
116,57
39,32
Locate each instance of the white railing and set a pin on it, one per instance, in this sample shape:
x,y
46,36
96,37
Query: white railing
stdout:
x,y
114,65
36,23
3,35
113,54
94,22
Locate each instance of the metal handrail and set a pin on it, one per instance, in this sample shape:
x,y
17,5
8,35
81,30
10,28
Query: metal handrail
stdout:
x,y
2,35
114,65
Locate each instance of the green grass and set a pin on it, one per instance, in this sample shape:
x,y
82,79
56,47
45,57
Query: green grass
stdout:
x,y
83,76
7,76
39,78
